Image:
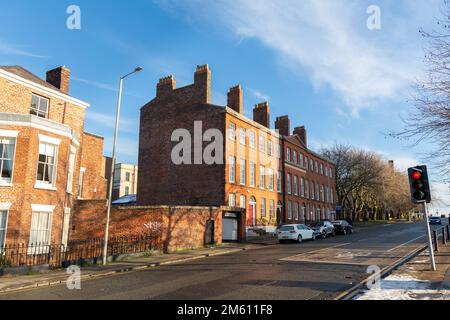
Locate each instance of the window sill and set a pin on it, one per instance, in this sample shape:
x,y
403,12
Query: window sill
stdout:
x,y
4,184
44,187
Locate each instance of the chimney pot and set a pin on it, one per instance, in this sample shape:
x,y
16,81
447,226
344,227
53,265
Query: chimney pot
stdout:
x,y
165,86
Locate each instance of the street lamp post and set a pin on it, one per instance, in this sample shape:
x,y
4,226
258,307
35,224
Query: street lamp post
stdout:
x,y
113,165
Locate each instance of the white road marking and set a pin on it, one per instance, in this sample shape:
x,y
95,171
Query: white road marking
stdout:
x,y
399,246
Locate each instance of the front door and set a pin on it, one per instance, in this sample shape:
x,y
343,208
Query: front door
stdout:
x,y
251,214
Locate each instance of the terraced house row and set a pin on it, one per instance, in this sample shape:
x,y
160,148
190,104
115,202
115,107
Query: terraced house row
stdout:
x,y
266,176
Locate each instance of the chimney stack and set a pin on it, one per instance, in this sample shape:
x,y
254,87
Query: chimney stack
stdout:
x,y
261,114
301,133
202,82
165,86
235,99
60,78
283,125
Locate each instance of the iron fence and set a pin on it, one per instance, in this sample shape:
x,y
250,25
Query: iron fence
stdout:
x,y
59,255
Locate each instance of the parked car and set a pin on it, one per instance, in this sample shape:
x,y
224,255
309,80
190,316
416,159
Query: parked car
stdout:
x,y
323,229
435,220
342,227
295,232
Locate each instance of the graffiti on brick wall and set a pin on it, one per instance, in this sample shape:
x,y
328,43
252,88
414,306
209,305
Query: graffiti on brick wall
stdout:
x,y
154,226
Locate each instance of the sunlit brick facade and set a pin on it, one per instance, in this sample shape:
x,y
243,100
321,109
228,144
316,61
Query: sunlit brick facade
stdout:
x,y
252,178
47,160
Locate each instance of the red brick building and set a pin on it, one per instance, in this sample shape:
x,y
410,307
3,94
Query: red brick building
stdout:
x,y
252,175
47,161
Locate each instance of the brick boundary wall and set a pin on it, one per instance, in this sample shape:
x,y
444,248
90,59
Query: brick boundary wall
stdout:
x,y
183,227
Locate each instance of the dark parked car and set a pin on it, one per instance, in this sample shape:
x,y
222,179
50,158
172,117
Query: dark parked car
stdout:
x,y
435,220
323,229
342,227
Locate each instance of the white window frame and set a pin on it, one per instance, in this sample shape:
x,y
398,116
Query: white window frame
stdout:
x,y
39,103
262,177
9,134
81,182
270,147
263,208
232,200
4,208
55,143
296,211
272,208
271,179
252,174
232,131
242,136
295,185
65,227
252,139
288,154
262,144
279,181
302,187
306,189
289,183
289,210
243,201
37,209
232,169
71,171
243,172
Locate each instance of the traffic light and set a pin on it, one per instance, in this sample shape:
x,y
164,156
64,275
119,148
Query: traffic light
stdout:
x,y
418,182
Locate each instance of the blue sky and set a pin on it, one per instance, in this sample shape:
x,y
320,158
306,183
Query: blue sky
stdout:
x,y
314,60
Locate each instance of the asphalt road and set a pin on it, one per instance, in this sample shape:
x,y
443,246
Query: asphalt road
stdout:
x,y
318,269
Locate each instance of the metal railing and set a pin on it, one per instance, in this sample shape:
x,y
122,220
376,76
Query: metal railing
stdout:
x,y
59,255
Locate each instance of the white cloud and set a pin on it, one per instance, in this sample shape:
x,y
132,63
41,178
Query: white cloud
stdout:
x,y
328,41
109,121
258,94
9,49
126,147
96,84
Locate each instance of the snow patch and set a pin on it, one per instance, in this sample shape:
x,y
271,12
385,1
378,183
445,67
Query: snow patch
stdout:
x,y
405,287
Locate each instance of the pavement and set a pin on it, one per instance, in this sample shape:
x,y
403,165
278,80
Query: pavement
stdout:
x,y
415,280
321,269
10,283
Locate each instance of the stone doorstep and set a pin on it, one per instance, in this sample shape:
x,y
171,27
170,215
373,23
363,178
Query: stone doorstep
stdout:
x,y
111,269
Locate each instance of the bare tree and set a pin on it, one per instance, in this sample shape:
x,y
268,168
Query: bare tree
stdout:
x,y
367,186
431,120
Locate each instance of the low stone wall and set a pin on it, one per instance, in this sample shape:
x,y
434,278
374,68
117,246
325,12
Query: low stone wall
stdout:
x,y
182,227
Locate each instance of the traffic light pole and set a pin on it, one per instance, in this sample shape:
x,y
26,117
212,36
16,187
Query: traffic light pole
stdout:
x,y
430,244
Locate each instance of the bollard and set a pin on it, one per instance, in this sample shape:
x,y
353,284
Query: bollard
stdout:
x,y
435,238
444,238
448,231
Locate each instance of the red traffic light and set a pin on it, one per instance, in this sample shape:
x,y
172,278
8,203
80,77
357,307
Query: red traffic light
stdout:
x,y
416,175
